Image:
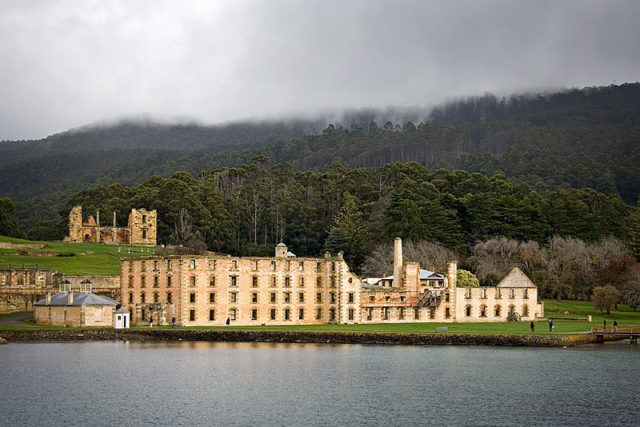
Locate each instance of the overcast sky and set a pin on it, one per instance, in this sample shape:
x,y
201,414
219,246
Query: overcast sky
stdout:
x,y
64,64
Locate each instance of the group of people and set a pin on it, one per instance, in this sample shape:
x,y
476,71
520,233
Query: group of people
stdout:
x,y
614,329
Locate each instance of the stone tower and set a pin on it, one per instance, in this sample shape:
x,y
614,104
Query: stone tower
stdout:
x,y
281,250
397,263
143,227
75,225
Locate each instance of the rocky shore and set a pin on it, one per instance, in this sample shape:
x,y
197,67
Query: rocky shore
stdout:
x,y
231,335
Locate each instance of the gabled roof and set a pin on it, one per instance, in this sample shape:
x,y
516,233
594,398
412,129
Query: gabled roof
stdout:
x,y
79,299
516,279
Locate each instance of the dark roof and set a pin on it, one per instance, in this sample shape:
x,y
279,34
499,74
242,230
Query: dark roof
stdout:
x,y
79,298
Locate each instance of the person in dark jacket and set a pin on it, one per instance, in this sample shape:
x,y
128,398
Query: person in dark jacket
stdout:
x,y
533,327
550,326
228,321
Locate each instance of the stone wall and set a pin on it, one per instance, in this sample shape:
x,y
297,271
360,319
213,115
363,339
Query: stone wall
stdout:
x,y
74,316
143,227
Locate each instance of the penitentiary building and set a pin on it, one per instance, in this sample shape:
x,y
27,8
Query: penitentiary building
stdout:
x,y
206,290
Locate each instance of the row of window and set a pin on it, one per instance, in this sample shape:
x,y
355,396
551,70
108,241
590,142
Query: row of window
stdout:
x,y
497,310
385,313
273,314
233,281
233,297
498,293
234,265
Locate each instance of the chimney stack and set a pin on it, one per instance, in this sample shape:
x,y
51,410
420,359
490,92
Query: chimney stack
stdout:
x,y
397,263
114,219
70,297
48,297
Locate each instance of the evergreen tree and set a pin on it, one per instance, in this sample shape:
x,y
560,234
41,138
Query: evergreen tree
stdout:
x,y
347,234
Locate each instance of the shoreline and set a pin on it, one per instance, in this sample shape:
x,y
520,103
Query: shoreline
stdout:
x,y
163,335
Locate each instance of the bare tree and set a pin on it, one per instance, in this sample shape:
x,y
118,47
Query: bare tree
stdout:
x,y
429,255
604,297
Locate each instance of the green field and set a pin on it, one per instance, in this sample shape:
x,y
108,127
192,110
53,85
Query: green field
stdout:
x,y
72,258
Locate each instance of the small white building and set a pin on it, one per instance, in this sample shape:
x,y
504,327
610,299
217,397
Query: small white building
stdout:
x,y
121,318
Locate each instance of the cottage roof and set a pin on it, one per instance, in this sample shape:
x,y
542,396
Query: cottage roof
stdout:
x,y
122,310
79,299
516,279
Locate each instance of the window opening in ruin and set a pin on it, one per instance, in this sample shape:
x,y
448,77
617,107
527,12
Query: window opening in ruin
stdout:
x,y
234,280
142,297
254,314
332,314
497,311
288,265
416,314
192,297
369,313
318,314
287,297
254,281
130,281
212,281
273,314
512,293
387,298
301,282
169,266
432,313
273,281
467,293
212,297
143,281
144,219
498,293
525,293
333,266
401,313
168,281
273,266
484,293
143,314
233,296
403,298
212,315
318,266
287,282
301,265
130,296
130,266
144,233
351,314
255,265
333,281
156,297
192,315
447,312
318,282
169,298
467,311
234,264
287,314
155,265
193,281
254,297
233,313
143,266
372,298
272,297
385,313
333,297
447,297
192,264
155,281
319,297
483,311
525,310
301,314
351,297
301,296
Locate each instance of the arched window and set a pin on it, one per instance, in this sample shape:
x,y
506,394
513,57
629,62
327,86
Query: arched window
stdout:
x,y
483,310
498,310
525,310
467,310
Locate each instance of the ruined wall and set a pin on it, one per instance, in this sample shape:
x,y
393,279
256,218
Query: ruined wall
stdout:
x,y
492,304
21,288
143,227
75,226
108,286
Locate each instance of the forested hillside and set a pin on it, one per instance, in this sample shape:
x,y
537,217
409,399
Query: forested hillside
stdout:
x,y
588,138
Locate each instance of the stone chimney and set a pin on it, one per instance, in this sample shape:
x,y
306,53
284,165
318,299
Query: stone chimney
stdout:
x,y
452,275
70,297
114,219
48,297
397,263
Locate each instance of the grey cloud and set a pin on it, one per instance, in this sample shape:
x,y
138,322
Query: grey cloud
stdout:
x,y
67,63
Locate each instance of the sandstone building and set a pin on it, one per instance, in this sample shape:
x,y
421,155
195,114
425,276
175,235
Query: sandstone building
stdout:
x,y
416,295
75,309
141,228
207,290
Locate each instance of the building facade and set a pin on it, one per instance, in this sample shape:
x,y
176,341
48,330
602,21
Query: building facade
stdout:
x,y
416,295
206,290
141,229
75,309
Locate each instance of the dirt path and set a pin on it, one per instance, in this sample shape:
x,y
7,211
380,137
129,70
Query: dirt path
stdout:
x,y
17,320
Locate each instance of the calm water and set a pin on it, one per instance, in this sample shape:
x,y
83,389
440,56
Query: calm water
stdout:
x,y
113,383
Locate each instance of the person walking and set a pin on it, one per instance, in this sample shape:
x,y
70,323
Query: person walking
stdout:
x,y
550,326
615,326
228,322
605,325
151,322
173,322
533,327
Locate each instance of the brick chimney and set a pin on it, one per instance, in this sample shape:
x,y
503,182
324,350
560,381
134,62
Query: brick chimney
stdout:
x,y
397,263
70,297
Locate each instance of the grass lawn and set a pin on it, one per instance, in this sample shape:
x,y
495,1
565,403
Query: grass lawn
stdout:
x,y
81,258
